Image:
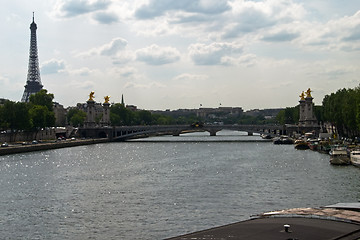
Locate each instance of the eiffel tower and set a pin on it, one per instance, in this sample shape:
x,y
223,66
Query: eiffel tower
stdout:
x,y
33,83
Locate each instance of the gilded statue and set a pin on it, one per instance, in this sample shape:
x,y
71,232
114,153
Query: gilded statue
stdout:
x,y
302,96
308,93
91,96
107,99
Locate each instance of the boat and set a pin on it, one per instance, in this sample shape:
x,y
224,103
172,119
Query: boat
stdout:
x,y
355,157
265,136
313,144
339,156
301,144
283,140
324,147
338,221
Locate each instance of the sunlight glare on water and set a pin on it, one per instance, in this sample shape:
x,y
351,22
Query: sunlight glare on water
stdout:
x,y
154,190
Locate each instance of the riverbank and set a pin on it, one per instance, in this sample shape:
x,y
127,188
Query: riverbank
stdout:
x,y
18,148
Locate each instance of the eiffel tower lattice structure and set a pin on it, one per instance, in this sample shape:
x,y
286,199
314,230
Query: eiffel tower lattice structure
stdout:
x,y
33,83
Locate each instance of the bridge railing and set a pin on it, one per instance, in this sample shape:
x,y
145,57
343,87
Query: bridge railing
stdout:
x,y
124,132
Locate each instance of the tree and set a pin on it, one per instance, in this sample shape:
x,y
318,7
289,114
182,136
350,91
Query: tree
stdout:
x,y
342,111
41,109
143,117
289,115
15,116
42,98
41,117
119,115
76,117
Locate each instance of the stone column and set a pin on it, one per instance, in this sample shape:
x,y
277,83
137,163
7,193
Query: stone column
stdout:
x,y
105,121
90,114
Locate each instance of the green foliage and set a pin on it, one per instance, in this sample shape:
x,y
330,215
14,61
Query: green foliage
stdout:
x,y
119,115
162,120
76,117
41,109
41,116
289,115
15,116
38,113
342,110
143,117
42,98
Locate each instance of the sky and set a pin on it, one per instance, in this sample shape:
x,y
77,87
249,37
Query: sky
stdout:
x,y
176,54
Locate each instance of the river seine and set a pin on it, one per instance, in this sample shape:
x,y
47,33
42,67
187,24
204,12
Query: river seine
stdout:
x,y
156,189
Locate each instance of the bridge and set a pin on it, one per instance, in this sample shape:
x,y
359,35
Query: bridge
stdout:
x,y
123,133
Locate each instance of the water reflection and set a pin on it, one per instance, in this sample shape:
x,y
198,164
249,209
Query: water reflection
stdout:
x,y
153,190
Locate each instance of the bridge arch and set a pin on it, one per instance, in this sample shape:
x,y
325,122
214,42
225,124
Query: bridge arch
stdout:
x,y
122,133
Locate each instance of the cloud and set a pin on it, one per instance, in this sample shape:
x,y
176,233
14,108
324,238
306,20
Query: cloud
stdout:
x,y
191,77
143,86
113,47
82,71
73,8
337,34
105,17
282,36
52,66
213,54
85,85
156,8
155,55
126,72
123,58
4,81
109,49
251,16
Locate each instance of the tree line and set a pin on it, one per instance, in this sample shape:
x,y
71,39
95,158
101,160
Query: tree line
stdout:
x,y
36,114
122,116
340,109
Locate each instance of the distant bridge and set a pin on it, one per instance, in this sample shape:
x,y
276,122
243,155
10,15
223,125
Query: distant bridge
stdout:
x,y
123,133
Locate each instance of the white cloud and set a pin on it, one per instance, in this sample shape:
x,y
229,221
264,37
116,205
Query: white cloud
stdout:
x,y
155,55
4,81
106,17
83,84
113,47
213,54
126,72
110,49
190,77
53,66
73,8
282,36
184,45
82,71
156,8
251,16
338,34
143,86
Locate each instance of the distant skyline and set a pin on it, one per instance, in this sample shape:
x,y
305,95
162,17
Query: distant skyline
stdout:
x,y
163,54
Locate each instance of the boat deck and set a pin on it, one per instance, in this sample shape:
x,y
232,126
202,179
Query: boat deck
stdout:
x,y
304,223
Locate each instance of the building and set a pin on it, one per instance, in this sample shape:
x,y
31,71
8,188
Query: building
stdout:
x,y
60,114
33,83
218,113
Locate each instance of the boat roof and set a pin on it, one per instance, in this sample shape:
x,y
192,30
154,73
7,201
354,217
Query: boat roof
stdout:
x,y
349,206
337,221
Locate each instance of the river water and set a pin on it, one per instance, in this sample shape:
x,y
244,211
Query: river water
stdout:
x,y
154,190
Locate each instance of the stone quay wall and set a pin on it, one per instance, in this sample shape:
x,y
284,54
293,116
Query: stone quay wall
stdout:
x,y
28,136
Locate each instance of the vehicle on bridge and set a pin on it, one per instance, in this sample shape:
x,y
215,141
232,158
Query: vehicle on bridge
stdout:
x,y
197,124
